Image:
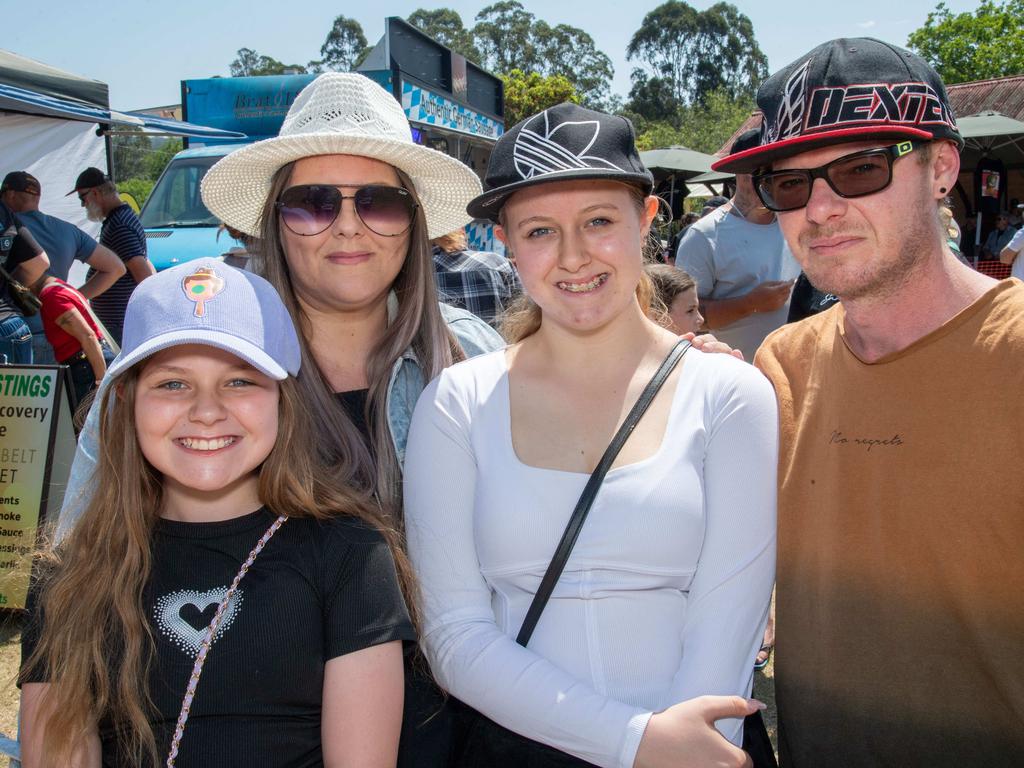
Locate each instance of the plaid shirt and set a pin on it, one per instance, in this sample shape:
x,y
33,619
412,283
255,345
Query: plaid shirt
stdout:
x,y
481,282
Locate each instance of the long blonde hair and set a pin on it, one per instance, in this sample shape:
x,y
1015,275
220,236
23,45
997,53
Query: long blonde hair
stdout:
x,y
418,325
96,647
523,316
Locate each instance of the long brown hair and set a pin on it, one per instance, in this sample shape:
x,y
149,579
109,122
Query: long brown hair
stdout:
x,y
418,325
96,646
523,316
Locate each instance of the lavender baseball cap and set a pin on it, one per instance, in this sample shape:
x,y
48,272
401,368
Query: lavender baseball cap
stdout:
x,y
205,301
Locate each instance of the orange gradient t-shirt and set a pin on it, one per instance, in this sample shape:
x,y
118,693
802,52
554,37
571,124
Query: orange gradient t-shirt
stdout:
x,y
900,602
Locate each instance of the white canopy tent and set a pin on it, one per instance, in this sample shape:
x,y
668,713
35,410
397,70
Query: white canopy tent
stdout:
x,y
54,124
53,148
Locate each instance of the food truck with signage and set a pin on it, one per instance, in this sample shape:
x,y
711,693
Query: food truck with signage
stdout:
x,y
453,106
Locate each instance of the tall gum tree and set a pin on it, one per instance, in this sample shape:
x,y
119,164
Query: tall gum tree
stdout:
x,y
694,53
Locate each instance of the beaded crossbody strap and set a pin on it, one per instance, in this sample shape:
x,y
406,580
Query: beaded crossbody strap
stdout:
x,y
204,647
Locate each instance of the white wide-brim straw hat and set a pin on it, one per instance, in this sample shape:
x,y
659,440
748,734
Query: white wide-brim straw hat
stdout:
x,y
341,113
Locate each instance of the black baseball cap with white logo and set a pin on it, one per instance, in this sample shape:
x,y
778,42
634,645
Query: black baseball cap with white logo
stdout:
x,y
560,144
851,89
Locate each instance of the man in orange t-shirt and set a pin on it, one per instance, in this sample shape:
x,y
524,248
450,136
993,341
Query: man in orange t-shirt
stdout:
x,y
900,609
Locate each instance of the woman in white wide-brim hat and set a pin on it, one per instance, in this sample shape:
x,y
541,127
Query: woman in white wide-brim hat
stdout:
x,y
342,204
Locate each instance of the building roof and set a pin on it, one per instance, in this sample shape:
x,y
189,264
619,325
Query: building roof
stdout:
x,y
1002,94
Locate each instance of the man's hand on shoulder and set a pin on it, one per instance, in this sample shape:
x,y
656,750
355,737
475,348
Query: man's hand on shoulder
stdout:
x,y
706,342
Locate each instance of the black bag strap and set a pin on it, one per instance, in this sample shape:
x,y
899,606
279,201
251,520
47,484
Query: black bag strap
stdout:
x,y
579,514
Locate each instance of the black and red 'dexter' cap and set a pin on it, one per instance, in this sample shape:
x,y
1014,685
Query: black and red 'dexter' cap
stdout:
x,y
851,89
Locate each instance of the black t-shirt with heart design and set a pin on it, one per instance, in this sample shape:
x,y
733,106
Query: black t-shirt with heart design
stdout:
x,y
318,590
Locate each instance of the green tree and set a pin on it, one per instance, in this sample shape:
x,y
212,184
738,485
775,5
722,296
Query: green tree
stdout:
x,y
245,63
657,134
652,98
973,46
504,36
158,159
697,52
703,127
445,26
707,126
137,188
570,52
529,93
344,47
129,149
510,37
249,63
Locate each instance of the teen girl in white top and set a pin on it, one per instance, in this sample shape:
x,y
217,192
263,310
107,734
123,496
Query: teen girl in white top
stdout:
x,y
664,598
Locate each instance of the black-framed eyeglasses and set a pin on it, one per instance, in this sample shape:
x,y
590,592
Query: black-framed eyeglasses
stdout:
x,y
309,209
84,194
853,175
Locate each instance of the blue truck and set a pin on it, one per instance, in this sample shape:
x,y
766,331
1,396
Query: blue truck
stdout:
x,y
179,227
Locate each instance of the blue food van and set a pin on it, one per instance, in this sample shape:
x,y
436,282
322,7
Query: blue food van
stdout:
x,y
178,225
453,106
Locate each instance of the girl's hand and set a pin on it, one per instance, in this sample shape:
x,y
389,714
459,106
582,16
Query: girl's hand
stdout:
x,y
706,342
684,735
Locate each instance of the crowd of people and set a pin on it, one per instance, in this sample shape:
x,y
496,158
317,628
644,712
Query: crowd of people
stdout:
x,y
319,517
77,327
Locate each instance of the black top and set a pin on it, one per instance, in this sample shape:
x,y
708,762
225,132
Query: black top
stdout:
x,y
318,590
808,300
122,233
353,403
23,248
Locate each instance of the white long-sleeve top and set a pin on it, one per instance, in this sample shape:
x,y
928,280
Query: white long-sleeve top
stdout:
x,y
665,595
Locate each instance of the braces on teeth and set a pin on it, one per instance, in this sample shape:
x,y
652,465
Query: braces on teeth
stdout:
x,y
584,287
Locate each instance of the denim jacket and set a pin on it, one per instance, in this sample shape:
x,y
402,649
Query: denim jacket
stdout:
x,y
474,336
407,382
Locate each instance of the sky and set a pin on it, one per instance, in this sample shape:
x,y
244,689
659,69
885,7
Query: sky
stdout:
x,y
143,49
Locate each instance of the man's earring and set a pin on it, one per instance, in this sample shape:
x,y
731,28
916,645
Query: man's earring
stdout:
x,y
942,190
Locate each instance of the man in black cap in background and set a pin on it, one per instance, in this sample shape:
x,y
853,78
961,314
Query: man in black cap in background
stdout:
x,y
63,243
123,234
900,611
743,268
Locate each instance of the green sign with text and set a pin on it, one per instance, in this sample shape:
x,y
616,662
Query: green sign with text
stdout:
x,y
36,447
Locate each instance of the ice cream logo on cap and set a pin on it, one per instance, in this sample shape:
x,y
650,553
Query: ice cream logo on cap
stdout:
x,y
202,286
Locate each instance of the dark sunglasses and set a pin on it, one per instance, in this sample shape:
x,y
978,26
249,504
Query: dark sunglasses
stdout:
x,y
854,175
309,209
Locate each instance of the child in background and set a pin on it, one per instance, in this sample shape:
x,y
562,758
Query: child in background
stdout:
x,y
137,651
678,292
